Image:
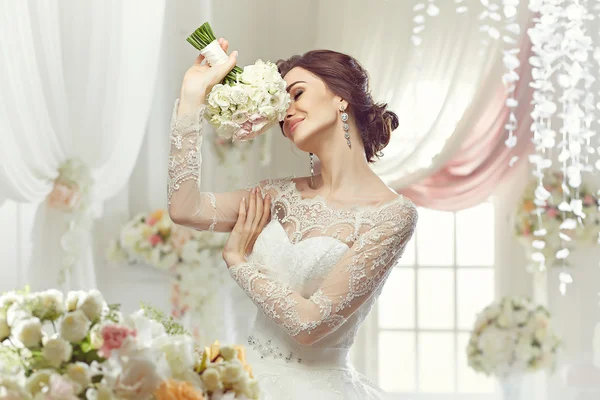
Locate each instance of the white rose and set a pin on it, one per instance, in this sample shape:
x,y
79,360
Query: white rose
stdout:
x,y
74,326
8,299
238,95
73,299
56,351
80,374
29,332
92,304
212,379
38,381
4,328
48,305
138,380
17,312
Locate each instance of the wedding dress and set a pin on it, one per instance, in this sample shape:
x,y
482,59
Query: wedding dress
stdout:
x,y
315,272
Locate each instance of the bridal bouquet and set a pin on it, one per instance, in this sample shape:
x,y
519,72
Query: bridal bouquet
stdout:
x,y
512,336
249,100
82,348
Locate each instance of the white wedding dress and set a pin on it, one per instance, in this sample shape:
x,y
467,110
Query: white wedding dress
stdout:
x,y
314,273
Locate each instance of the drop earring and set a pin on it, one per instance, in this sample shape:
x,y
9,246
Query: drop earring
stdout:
x,y
346,127
312,170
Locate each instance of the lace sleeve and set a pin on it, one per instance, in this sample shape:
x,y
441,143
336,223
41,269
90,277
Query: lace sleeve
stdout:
x,y
188,204
351,282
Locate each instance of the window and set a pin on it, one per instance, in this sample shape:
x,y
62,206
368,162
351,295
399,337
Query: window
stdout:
x,y
429,305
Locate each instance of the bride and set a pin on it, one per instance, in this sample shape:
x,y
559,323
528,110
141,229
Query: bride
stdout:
x,y
311,252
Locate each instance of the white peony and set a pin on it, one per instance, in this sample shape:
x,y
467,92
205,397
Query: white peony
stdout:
x,y
79,373
4,328
57,351
29,332
179,352
74,326
138,379
92,304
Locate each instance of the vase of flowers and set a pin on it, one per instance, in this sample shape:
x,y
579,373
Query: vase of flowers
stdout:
x,y
512,337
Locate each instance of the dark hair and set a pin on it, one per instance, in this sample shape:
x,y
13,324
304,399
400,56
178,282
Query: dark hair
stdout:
x,y
345,77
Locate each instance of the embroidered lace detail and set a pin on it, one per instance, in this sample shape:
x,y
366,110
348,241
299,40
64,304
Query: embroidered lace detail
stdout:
x,y
379,237
185,158
268,349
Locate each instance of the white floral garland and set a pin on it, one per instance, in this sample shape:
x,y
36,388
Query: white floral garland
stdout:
x,y
71,194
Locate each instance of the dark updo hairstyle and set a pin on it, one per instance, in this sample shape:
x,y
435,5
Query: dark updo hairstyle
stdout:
x,y
345,77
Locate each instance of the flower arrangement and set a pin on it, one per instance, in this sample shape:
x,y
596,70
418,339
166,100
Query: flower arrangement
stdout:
x,y
94,352
578,219
248,101
71,195
154,239
193,258
512,336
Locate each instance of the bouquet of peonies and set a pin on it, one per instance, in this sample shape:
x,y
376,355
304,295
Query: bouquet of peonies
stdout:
x,y
154,239
92,351
579,219
248,101
512,336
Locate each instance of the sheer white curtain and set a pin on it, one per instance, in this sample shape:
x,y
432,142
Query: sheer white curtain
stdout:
x,y
76,80
436,89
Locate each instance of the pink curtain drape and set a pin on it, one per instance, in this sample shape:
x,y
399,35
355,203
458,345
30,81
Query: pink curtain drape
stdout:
x,y
482,161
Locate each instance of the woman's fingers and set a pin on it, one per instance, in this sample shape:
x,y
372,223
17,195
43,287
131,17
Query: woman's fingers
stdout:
x,y
241,221
259,209
266,212
251,212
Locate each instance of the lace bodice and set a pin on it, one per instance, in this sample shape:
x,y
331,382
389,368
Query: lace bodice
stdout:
x,y
315,267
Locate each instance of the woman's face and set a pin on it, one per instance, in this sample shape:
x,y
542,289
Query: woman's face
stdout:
x,y
313,109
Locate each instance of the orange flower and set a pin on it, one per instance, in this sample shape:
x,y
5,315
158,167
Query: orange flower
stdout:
x,y
157,215
177,390
528,205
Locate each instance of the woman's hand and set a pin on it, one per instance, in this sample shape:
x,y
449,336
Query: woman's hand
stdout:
x,y
200,78
252,218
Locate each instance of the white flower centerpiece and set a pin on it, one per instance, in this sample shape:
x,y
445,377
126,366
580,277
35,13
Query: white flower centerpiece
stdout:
x,y
512,337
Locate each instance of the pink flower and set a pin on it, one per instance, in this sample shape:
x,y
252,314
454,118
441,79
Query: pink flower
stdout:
x,y
113,337
63,197
552,212
155,239
588,200
151,221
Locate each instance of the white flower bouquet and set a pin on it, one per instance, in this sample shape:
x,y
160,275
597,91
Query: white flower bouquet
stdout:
x,y
512,336
94,352
248,101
